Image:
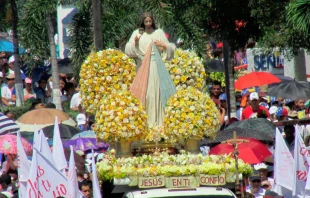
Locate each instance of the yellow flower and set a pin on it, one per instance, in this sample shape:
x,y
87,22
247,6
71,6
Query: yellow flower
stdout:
x,y
104,73
186,117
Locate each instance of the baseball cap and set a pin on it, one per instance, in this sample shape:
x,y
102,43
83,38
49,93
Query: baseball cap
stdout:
x,y
245,92
81,119
260,166
28,81
273,109
281,112
223,97
288,101
254,96
11,59
273,99
264,104
11,75
255,176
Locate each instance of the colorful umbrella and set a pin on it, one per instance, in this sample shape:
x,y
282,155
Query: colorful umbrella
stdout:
x,y
7,46
252,152
256,79
85,144
42,118
7,125
85,134
8,144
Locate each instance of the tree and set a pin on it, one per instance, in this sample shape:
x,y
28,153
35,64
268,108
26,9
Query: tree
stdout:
x,y
9,19
38,13
96,15
18,77
298,16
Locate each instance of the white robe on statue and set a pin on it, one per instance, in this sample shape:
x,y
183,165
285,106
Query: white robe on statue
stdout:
x,y
154,108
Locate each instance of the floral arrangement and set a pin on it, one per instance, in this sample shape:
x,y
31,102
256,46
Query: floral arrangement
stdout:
x,y
218,76
168,165
120,117
186,70
103,73
190,114
156,134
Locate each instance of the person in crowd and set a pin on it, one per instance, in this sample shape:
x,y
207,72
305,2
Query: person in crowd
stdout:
x,y
28,91
86,189
307,141
271,194
281,114
43,90
255,185
5,69
36,104
75,101
289,131
81,119
254,110
262,168
216,91
68,92
10,163
6,90
9,114
248,195
50,106
272,112
5,185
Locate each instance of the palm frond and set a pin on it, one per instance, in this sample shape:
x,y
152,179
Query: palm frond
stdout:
x,y
298,15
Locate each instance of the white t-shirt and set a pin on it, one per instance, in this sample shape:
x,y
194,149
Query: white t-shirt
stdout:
x,y
75,100
6,93
260,194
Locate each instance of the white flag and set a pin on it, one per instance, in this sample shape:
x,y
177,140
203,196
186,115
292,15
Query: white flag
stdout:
x,y
301,161
36,137
45,180
58,150
96,187
73,188
283,165
32,176
23,166
45,148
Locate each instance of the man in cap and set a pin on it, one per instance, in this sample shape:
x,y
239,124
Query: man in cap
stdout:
x,y
6,90
254,110
262,168
281,114
255,185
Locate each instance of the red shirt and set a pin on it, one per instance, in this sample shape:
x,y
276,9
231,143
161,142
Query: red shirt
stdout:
x,y
248,111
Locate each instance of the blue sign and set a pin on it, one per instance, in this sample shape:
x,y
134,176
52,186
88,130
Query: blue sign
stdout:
x,y
266,62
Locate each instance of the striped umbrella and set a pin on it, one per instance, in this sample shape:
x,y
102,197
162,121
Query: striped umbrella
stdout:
x,y
7,125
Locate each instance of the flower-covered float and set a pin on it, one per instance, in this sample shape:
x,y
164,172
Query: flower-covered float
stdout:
x,y
181,170
190,115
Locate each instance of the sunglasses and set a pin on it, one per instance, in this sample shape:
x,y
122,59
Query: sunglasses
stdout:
x,y
256,181
10,78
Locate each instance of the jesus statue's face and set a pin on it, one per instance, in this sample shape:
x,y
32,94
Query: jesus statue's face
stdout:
x,y
148,22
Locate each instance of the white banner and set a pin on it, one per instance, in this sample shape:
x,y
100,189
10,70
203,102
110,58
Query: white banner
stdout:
x,y
283,168
45,148
58,150
96,187
73,188
301,161
23,166
44,179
